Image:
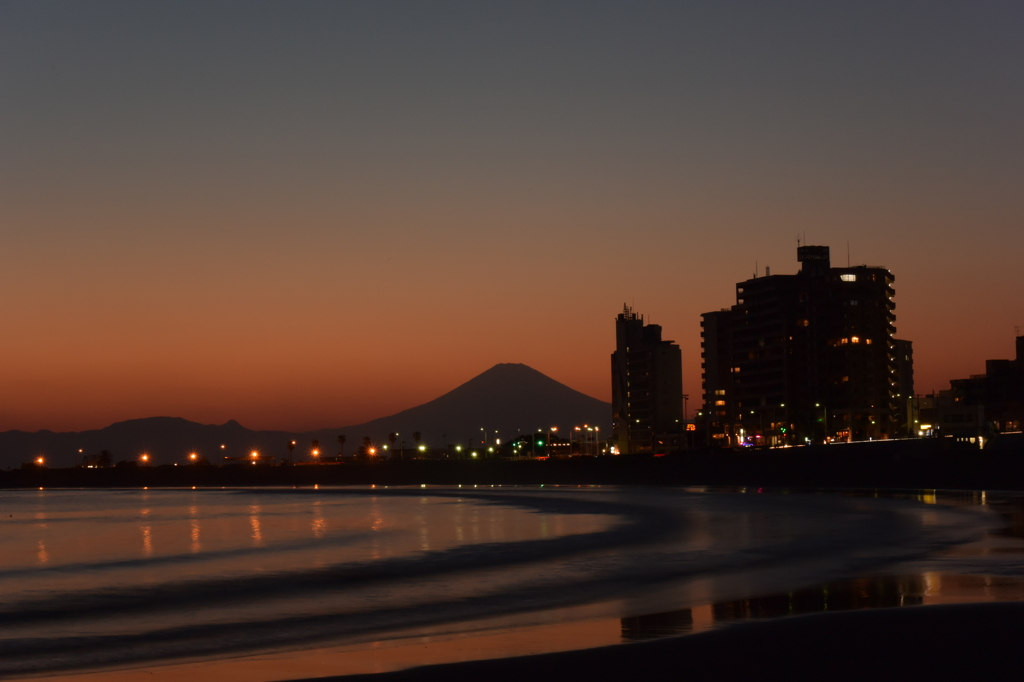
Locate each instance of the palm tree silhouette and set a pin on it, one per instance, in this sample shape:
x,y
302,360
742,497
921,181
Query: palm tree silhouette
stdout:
x,y
291,446
341,445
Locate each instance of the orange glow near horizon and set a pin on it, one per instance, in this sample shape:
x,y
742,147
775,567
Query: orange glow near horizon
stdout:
x,y
298,382
296,257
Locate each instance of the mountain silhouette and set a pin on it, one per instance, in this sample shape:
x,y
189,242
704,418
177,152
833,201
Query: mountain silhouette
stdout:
x,y
507,398
166,439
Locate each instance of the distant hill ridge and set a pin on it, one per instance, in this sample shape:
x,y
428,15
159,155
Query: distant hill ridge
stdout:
x,y
508,398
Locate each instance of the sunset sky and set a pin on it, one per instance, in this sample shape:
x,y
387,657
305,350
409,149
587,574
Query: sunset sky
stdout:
x,y
305,215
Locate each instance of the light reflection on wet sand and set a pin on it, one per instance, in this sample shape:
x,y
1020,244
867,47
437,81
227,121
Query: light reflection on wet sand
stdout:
x,y
501,642
254,521
195,544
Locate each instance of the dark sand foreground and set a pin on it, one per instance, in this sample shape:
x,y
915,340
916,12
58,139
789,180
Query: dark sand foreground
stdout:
x,y
956,642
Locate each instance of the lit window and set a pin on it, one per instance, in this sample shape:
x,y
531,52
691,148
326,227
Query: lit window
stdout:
x,y
848,278
719,402
720,391
854,339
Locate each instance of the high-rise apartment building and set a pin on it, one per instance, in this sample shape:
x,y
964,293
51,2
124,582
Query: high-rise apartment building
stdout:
x,y
905,405
804,358
647,388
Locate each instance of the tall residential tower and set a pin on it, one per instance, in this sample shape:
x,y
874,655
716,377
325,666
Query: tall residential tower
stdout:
x,y
647,388
805,358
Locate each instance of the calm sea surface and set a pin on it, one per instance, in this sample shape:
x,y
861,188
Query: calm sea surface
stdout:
x,y
104,580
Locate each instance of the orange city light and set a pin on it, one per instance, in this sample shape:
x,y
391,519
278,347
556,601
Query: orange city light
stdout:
x,y
372,451
39,460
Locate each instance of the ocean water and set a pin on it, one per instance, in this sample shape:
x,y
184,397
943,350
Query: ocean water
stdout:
x,y
109,579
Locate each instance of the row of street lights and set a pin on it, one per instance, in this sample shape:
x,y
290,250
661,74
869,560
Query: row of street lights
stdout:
x,y
254,456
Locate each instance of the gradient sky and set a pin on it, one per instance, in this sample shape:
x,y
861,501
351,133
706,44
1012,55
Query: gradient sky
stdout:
x,y
303,215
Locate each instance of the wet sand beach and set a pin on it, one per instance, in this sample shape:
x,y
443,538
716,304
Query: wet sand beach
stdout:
x,y
948,642
270,585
